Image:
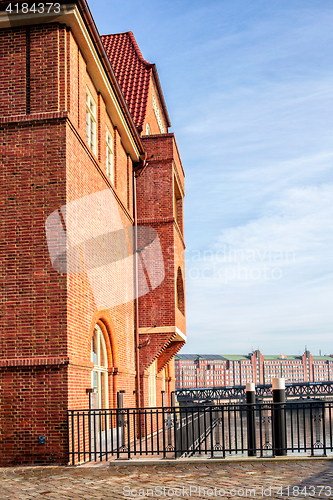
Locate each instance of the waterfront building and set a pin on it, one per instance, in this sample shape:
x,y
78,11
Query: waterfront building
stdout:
x,y
213,370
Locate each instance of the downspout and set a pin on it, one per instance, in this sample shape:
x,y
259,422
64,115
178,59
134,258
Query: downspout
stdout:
x,y
137,171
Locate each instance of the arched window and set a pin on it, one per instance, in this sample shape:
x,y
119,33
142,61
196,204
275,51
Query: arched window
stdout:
x,y
99,377
180,292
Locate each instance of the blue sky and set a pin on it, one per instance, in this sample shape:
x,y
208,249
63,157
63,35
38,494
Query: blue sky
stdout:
x,y
249,90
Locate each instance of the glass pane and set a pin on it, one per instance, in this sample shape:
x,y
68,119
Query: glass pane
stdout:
x,y
94,349
94,381
104,360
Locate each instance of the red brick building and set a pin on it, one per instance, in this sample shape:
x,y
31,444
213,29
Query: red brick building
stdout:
x,y
86,155
214,370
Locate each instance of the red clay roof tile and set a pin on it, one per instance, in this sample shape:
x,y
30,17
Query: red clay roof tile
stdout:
x,y
133,73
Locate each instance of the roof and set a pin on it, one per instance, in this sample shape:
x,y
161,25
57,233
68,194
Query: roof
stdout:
x,y
278,357
218,357
240,357
133,73
211,357
235,357
186,356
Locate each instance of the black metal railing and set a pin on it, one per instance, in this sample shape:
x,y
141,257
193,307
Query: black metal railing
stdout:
x,y
301,389
217,431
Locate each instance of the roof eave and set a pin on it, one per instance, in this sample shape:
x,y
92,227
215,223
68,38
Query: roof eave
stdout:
x,y
160,92
91,26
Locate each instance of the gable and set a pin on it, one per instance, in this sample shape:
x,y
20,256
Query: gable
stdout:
x,y
135,76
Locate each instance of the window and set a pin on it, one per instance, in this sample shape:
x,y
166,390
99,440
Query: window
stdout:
x,y
178,206
148,129
180,292
109,156
152,384
99,376
91,113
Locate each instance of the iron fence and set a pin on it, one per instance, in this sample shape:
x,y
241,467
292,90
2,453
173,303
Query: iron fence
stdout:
x,y
216,431
301,389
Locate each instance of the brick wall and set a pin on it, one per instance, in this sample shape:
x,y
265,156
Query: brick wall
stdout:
x,y
158,309
45,314
156,208
13,71
33,295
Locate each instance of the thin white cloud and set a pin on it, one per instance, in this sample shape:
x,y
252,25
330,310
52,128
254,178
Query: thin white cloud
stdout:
x,y
248,87
268,278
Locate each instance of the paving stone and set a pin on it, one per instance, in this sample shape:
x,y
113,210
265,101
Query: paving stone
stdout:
x,y
215,480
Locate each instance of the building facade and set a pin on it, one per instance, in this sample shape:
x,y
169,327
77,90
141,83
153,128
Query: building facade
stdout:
x,y
199,370
92,250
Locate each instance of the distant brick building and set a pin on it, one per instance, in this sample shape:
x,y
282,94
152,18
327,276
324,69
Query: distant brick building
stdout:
x,y
81,116
214,370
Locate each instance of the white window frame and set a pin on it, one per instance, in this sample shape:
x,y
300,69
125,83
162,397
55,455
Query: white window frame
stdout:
x,y
109,155
100,369
91,121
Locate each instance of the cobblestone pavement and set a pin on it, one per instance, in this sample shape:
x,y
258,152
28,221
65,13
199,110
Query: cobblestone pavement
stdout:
x,y
215,480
